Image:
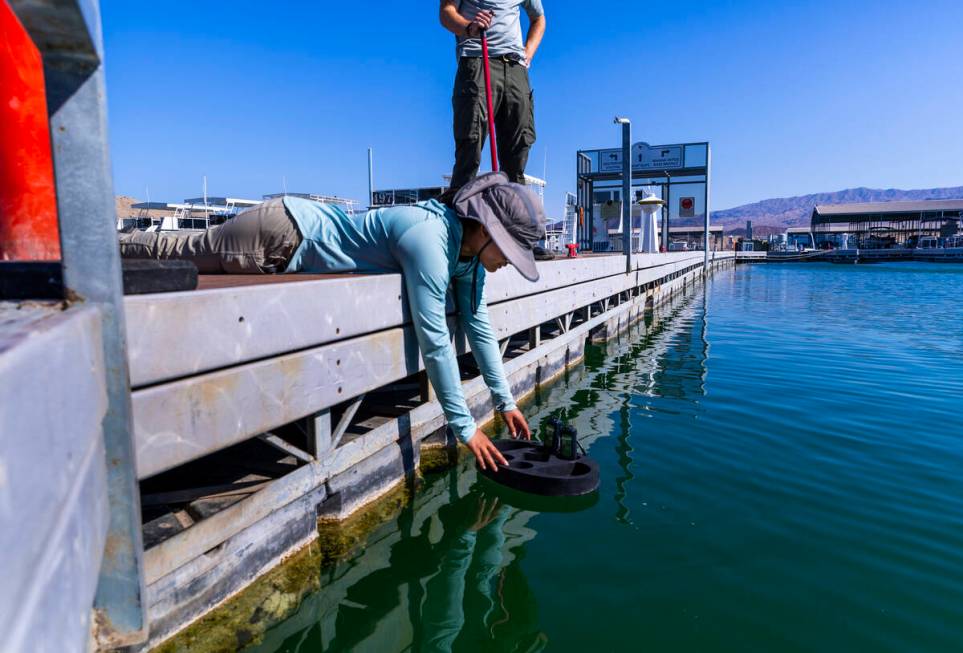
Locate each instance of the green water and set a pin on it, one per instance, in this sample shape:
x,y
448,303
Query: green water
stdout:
x,y
782,470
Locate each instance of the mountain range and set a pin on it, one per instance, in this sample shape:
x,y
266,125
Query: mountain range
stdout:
x,y
775,215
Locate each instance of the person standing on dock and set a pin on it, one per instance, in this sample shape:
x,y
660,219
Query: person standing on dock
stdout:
x,y
512,98
435,245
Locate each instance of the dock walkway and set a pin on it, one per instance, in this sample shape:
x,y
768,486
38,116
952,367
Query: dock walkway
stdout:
x,y
311,386
242,362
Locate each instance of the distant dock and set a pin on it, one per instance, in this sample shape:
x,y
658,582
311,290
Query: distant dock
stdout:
x,y
855,255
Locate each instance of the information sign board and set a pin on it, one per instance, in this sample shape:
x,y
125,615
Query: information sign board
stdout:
x,y
405,195
659,157
644,157
610,160
383,198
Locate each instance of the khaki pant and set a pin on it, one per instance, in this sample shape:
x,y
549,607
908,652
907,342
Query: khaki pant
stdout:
x,y
513,107
260,240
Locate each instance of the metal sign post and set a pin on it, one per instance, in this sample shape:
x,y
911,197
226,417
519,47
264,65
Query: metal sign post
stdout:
x,y
705,269
626,190
370,178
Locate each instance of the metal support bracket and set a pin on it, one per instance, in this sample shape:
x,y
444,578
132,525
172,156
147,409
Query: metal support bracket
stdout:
x,y
319,433
564,322
345,422
322,436
286,447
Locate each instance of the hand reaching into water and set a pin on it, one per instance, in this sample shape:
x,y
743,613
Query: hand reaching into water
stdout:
x,y
517,426
487,453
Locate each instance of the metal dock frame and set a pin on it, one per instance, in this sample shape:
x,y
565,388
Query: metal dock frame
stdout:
x,y
68,35
264,356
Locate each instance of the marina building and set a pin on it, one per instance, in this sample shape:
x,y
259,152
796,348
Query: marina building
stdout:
x,y
878,225
799,237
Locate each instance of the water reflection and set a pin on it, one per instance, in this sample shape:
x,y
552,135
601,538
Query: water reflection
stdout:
x,y
447,573
433,580
465,604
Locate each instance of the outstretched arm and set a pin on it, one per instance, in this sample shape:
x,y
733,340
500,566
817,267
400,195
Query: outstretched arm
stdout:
x,y
425,270
484,347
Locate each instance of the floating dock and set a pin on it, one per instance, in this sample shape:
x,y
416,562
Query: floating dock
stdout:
x,y
854,255
861,255
319,378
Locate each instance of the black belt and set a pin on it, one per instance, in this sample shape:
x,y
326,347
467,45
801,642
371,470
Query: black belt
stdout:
x,y
506,58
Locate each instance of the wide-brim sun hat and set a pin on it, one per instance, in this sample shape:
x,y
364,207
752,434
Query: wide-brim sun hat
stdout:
x,y
511,214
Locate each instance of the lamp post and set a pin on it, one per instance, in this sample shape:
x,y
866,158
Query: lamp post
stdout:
x,y
370,178
705,266
664,243
626,189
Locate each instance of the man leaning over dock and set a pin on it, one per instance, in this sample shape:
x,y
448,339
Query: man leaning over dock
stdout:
x,y
511,92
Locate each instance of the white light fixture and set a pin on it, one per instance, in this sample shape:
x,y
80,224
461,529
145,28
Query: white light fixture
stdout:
x,y
650,223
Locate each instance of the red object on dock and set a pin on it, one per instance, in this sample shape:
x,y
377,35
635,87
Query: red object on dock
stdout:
x,y
572,250
28,200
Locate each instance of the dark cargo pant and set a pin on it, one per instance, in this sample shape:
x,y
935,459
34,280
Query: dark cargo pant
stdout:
x,y
514,111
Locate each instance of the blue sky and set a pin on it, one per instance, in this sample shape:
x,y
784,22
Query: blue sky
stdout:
x,y
795,97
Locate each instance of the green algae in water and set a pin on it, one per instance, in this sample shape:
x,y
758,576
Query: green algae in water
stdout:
x,y
338,539
243,619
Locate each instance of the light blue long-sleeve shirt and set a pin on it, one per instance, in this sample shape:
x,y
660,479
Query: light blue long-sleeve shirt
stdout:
x,y
422,242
